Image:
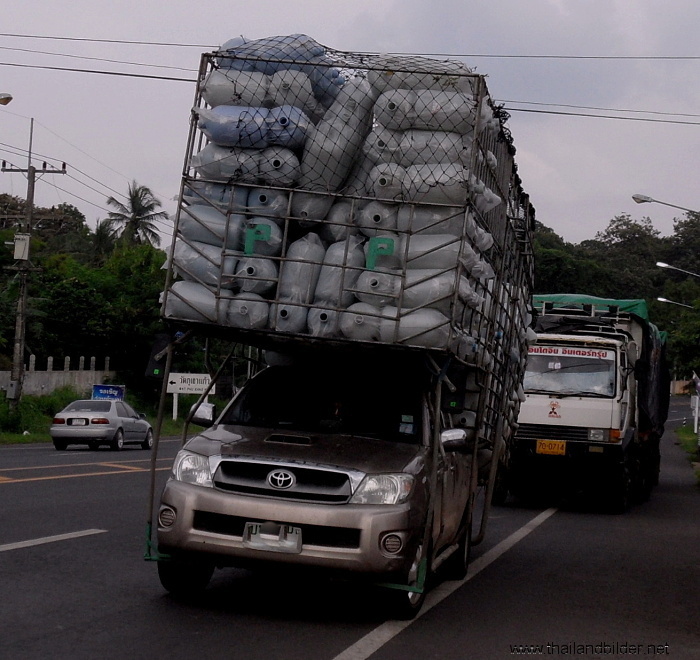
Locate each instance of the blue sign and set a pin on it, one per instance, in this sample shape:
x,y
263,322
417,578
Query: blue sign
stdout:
x,y
112,392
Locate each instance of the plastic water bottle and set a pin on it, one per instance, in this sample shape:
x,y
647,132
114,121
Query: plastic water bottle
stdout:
x,y
413,251
418,147
200,262
378,288
437,183
323,322
274,166
427,219
209,225
423,327
223,196
360,321
287,316
191,301
342,265
386,181
233,87
247,310
340,221
256,275
377,218
300,270
389,72
253,127
333,145
268,203
432,110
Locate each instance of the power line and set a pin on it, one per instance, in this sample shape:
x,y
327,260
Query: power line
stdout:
x,y
96,59
104,73
106,41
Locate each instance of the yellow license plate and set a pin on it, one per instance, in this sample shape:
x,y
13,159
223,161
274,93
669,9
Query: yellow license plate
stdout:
x,y
553,447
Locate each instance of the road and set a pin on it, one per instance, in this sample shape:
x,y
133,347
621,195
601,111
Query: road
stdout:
x,y
74,584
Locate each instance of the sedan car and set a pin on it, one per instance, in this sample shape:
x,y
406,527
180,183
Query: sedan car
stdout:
x,y
96,422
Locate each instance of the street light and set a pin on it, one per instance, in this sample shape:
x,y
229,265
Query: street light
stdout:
x,y
673,302
645,199
5,98
661,264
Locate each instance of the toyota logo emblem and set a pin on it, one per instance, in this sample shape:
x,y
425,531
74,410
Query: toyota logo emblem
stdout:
x,y
281,479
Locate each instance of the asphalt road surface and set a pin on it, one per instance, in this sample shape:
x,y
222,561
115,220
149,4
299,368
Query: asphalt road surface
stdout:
x,y
551,582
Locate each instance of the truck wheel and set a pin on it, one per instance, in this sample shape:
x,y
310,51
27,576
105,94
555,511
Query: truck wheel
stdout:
x,y
404,605
457,564
184,578
619,492
500,486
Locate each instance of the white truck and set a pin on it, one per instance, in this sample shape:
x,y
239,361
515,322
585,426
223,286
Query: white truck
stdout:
x,y
597,391
360,220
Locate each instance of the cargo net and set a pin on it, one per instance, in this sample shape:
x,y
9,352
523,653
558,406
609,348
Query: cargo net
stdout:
x,y
346,197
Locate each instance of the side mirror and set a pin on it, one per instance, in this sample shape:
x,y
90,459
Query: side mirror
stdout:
x,y
632,353
454,439
203,415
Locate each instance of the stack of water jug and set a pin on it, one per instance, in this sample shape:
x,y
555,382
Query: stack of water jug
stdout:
x,y
336,202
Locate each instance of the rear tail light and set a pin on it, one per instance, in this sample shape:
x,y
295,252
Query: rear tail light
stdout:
x,y
99,420
59,420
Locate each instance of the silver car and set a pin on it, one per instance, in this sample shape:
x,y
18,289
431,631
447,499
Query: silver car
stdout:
x,y
96,422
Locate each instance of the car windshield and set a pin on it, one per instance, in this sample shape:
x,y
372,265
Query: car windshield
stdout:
x,y
305,400
584,374
88,406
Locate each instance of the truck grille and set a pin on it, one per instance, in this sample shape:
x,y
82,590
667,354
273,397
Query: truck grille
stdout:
x,y
551,432
311,484
331,537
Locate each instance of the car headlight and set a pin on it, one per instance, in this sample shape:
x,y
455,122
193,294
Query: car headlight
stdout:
x,y
383,489
192,469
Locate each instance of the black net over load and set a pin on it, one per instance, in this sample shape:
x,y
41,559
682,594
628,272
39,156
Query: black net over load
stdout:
x,y
344,198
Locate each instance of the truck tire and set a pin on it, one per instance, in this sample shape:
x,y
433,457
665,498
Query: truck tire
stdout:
x,y
184,579
619,492
404,605
500,486
457,564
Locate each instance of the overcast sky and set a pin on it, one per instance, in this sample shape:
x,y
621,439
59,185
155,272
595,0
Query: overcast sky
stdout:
x,y
548,61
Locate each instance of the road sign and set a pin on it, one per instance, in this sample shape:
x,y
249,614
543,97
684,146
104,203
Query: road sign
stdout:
x,y
189,384
113,392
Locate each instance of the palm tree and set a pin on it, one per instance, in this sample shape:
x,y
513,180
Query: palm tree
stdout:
x,y
135,221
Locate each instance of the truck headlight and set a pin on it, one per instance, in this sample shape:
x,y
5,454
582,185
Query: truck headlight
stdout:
x,y
192,469
383,489
597,435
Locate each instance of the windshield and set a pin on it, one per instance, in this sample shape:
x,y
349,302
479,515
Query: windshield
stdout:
x,y
287,398
570,371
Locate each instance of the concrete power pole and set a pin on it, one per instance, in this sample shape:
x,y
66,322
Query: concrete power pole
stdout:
x,y
23,267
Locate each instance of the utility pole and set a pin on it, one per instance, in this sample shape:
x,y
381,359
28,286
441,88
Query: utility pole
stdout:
x,y
23,266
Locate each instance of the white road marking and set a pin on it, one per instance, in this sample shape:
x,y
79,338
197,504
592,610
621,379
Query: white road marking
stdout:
x,y
50,539
374,640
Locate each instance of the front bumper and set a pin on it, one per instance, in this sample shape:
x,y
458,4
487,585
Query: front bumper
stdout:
x,y
341,537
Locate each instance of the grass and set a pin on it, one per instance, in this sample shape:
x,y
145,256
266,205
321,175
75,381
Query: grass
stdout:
x,y
688,440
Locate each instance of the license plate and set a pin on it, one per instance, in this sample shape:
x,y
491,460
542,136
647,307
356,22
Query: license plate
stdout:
x,y
79,421
551,447
272,537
